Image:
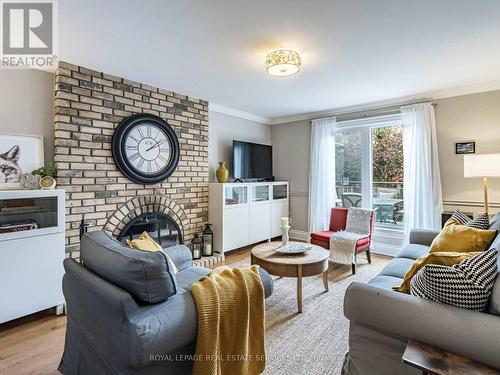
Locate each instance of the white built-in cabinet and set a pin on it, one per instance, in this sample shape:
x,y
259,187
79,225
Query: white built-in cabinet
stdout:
x,y
31,251
246,213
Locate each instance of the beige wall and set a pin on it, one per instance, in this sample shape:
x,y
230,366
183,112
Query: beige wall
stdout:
x,y
223,130
291,144
26,105
462,118
473,117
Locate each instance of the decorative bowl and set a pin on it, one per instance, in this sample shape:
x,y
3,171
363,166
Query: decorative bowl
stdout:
x,y
293,249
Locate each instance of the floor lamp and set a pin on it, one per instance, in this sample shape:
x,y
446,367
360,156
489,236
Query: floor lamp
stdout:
x,y
486,165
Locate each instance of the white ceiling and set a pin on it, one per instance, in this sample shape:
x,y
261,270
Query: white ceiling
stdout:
x,y
353,51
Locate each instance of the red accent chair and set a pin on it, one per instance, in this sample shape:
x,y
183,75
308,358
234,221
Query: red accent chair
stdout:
x,y
338,220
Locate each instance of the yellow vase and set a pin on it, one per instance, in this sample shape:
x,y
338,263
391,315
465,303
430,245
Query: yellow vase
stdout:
x,y
222,173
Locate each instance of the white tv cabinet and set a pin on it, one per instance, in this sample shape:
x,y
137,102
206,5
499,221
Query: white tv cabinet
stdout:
x,y
31,259
246,213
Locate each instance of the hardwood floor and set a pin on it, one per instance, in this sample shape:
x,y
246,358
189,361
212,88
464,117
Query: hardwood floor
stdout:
x,y
33,345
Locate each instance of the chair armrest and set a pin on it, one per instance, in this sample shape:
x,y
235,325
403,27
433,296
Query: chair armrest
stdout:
x,y
180,255
267,282
402,316
423,236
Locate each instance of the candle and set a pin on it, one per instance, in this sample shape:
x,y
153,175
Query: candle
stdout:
x,y
208,249
196,254
284,222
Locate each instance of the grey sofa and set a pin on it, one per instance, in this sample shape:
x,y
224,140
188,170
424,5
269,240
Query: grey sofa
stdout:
x,y
111,332
383,320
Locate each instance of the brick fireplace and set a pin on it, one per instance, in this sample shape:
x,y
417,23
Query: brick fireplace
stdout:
x,y
88,107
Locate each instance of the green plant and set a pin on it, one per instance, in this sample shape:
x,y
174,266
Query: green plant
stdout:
x,y
45,171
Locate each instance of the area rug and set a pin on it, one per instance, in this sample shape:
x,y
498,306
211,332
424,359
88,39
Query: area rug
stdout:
x,y
315,341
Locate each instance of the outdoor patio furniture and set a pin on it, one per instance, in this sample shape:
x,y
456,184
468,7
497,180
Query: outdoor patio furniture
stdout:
x,y
351,200
387,209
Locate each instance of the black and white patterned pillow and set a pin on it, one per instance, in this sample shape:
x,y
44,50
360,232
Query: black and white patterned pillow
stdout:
x,y
481,221
467,285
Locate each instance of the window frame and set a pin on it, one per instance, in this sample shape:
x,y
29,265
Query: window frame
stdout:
x,y
388,238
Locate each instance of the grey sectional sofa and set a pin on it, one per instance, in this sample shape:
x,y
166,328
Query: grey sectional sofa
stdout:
x,y
383,320
111,332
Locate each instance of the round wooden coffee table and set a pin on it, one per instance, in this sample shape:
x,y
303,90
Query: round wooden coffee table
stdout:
x,y
310,263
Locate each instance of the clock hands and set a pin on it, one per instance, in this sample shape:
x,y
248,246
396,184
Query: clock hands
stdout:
x,y
156,144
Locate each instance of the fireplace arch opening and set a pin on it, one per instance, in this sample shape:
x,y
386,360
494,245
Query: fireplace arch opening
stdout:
x,y
160,227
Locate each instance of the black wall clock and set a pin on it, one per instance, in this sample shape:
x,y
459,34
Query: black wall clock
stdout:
x,y
145,148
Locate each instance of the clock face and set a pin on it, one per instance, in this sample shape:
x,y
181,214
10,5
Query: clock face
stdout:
x,y
145,148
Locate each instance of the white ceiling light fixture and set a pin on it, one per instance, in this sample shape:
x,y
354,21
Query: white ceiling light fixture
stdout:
x,y
283,62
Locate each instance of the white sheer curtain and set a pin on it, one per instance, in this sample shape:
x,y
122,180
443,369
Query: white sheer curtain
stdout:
x,y
422,195
322,193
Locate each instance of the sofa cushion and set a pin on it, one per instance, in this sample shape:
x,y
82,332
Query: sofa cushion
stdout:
x,y
397,267
385,282
461,239
467,285
481,221
146,243
145,275
413,251
180,255
445,259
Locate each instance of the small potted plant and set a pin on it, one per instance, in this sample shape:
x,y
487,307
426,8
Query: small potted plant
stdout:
x,y
47,177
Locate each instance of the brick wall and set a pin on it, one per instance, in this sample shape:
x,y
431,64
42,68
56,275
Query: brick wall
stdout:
x,y
88,107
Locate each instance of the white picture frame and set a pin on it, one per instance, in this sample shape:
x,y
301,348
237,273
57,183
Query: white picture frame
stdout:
x,y
27,157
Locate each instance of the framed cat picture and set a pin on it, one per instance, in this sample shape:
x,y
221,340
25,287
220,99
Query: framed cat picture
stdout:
x,y
18,154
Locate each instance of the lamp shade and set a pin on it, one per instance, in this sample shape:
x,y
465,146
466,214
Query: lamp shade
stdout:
x,y
486,165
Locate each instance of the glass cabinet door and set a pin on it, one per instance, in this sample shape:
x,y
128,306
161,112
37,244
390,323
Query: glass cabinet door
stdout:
x,y
280,191
260,193
236,195
22,214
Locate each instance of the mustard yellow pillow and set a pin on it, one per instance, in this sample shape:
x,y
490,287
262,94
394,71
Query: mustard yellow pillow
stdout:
x,y
146,243
446,258
459,238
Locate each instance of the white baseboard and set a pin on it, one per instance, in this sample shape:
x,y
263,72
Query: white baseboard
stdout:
x,y
300,235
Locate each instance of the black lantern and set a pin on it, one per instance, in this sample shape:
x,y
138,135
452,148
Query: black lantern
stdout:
x,y
208,241
196,246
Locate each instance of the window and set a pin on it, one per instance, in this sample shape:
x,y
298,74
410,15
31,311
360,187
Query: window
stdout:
x,y
369,168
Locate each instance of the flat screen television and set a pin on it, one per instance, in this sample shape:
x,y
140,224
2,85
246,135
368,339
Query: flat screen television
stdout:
x,y
252,161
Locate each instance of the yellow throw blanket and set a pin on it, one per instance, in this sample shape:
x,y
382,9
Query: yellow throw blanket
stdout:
x,y
230,305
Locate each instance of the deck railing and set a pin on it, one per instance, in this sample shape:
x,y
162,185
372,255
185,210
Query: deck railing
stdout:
x,y
378,187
